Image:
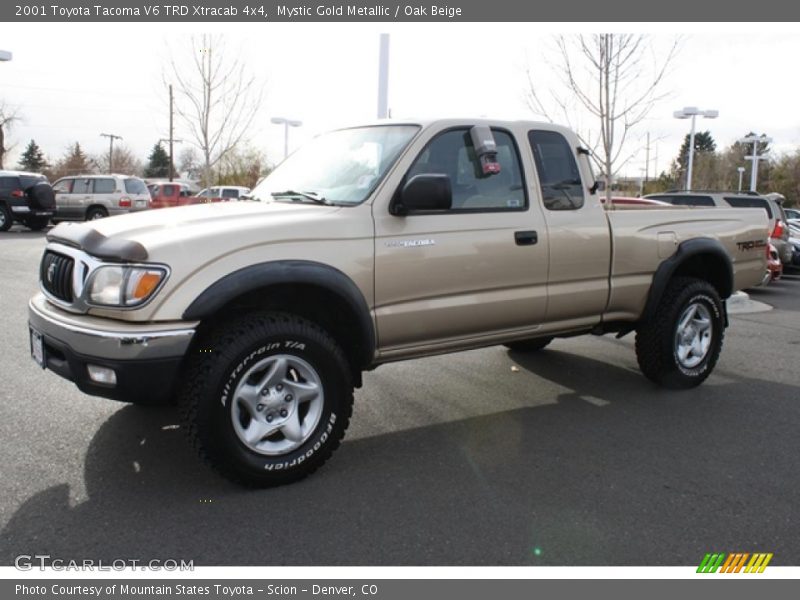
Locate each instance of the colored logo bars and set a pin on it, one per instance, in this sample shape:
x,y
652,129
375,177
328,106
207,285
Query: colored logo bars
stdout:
x,y
734,562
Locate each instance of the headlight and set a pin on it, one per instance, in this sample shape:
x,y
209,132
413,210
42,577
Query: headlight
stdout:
x,y
124,286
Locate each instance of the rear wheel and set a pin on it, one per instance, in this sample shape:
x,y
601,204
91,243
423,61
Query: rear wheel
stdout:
x,y
96,212
37,223
6,220
533,345
267,398
679,347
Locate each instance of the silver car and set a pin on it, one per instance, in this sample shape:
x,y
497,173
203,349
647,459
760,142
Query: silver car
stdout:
x,y
89,197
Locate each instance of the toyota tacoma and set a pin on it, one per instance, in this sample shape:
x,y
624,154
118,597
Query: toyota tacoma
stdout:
x,y
370,245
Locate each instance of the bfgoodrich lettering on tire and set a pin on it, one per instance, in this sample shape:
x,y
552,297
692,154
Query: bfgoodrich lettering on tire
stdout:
x,y
679,347
267,398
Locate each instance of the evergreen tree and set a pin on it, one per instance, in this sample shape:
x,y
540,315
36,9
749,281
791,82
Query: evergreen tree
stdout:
x,y
75,161
33,159
703,143
159,163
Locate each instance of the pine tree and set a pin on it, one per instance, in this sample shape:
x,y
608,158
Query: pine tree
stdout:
x,y
33,159
159,163
75,161
703,142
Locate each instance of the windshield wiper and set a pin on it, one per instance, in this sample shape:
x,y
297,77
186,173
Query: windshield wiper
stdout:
x,y
314,196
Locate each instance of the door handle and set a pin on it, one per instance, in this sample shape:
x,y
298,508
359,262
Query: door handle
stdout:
x,y
525,238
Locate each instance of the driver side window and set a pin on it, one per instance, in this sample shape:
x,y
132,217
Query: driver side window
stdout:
x,y
451,153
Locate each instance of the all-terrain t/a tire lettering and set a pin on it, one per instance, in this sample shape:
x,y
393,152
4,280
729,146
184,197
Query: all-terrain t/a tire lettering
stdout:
x,y
267,398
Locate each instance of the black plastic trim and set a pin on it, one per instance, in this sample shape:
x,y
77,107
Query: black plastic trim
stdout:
x,y
667,269
136,379
95,243
284,272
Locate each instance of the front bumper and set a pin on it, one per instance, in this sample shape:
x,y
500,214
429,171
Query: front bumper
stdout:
x,y
145,358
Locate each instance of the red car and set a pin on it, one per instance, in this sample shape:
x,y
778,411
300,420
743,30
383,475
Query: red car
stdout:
x,y
774,264
166,195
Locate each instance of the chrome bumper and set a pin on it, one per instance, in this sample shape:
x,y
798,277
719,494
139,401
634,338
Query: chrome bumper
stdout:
x,y
111,340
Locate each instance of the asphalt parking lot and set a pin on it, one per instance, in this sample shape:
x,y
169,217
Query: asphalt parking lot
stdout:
x,y
569,458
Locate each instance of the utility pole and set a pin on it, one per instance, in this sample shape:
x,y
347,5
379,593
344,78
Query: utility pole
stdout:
x,y
111,137
171,139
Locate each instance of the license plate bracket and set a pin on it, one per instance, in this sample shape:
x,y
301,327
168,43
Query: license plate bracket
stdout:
x,y
37,348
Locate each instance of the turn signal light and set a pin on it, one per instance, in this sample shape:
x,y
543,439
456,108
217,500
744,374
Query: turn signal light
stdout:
x,y
147,283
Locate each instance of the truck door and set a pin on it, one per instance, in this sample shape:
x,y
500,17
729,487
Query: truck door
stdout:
x,y
477,269
578,231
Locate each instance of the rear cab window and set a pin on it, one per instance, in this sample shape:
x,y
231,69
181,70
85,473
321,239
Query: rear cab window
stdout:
x,y
230,193
559,178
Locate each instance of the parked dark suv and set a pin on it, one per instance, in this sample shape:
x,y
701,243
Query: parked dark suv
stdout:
x,y
26,198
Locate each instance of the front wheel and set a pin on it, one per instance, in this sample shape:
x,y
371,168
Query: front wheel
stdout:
x,y
267,398
679,346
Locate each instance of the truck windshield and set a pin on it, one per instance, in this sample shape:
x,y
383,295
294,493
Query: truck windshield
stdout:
x,y
341,167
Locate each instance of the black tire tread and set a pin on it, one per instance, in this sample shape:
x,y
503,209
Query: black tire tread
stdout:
x,y
220,350
650,345
531,345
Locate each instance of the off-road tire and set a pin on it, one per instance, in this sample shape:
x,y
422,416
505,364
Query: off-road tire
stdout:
x,y
657,339
532,345
6,220
219,364
96,212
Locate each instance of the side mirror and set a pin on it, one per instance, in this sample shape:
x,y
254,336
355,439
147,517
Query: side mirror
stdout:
x,y
428,191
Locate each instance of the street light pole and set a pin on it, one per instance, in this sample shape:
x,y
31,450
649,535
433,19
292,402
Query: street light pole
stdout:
x,y
741,172
691,112
286,124
755,140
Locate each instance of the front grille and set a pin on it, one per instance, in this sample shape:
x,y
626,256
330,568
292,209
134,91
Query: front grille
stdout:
x,y
55,273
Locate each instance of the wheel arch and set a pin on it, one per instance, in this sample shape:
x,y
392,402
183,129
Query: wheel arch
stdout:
x,y
313,290
703,258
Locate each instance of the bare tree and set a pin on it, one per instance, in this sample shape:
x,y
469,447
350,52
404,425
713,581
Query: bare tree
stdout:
x,y
8,116
217,98
614,80
124,160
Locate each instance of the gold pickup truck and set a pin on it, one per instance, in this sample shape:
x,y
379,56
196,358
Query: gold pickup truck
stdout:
x,y
369,245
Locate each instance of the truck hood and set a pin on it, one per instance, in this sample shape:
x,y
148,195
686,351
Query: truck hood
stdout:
x,y
148,234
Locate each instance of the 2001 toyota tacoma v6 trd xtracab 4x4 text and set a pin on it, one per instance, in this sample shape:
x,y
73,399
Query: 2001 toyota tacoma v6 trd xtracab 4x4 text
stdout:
x,y
369,245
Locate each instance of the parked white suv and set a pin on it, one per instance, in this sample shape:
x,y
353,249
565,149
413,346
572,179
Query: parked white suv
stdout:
x,y
90,197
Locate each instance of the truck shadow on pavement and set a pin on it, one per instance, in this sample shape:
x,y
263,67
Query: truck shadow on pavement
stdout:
x,y
611,472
